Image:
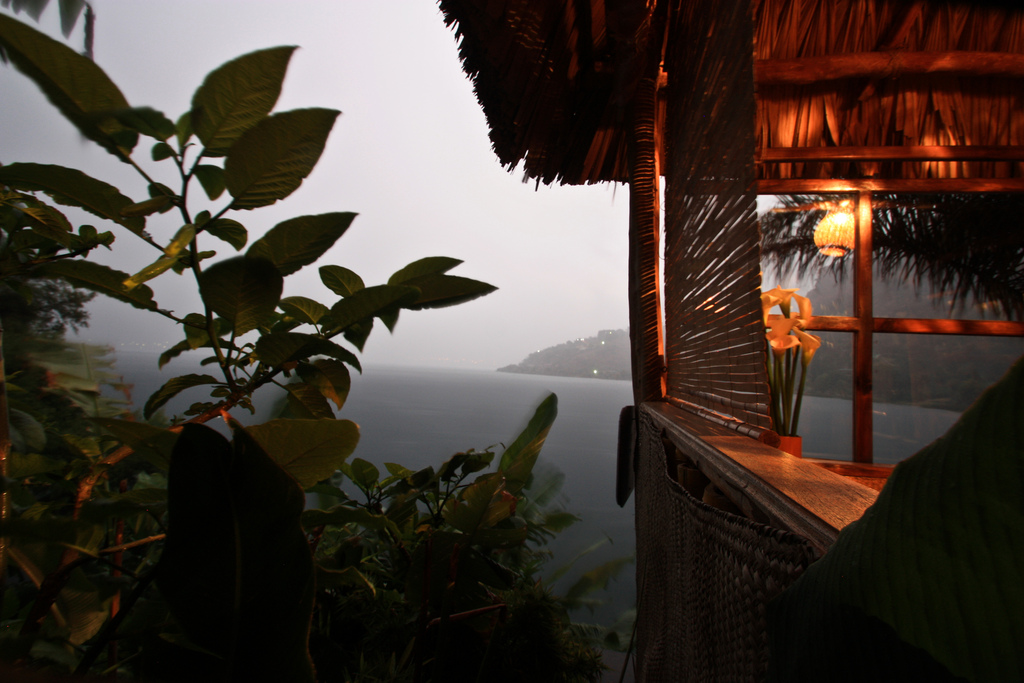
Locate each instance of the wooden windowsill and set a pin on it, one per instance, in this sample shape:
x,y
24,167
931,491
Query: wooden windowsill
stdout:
x,y
789,493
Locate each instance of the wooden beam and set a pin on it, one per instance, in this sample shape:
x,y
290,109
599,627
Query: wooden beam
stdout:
x,y
816,186
893,64
988,328
776,155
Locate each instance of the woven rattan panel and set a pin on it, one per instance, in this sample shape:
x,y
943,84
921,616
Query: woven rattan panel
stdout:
x,y
704,578
714,334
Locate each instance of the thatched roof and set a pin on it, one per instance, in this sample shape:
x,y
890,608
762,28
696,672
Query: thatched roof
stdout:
x,y
882,82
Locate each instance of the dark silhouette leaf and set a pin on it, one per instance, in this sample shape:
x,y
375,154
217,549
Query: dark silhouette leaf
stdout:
x,y
172,388
79,88
308,450
235,511
236,96
271,160
242,290
300,241
71,187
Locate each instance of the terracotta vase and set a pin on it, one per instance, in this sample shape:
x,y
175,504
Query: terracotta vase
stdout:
x,y
794,445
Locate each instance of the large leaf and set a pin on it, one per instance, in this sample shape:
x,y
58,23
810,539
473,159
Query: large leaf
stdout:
x,y
927,584
300,241
149,442
519,458
79,88
305,402
236,96
242,290
278,348
303,309
71,187
271,160
330,377
341,280
172,388
309,450
439,291
249,600
101,279
432,265
370,302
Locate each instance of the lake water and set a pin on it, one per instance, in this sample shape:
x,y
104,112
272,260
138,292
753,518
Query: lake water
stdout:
x,y
421,416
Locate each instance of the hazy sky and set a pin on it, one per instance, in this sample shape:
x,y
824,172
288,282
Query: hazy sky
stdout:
x,y
410,154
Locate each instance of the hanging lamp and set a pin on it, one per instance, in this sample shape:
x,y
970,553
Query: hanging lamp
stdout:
x,y
834,234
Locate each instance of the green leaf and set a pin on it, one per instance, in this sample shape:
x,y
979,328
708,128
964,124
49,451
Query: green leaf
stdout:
x,y
211,178
232,232
242,290
439,291
143,501
252,602
307,403
277,348
300,241
479,506
47,221
147,207
147,121
303,309
341,281
330,377
172,388
172,252
364,474
271,160
432,265
74,84
929,576
101,279
370,302
71,187
183,130
308,450
161,151
519,458
340,515
150,443
236,96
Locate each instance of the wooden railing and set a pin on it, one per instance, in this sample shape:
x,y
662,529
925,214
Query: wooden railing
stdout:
x,y
764,483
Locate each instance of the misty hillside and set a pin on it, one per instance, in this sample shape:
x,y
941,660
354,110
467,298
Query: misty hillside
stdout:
x,y
605,356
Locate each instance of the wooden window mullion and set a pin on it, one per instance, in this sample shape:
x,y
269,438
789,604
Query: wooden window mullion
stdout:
x,y
863,427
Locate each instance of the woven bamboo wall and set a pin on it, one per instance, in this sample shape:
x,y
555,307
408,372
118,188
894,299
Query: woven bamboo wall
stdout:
x,y
704,579
714,334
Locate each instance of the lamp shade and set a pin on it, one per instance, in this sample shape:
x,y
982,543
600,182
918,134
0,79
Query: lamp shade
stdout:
x,y
834,234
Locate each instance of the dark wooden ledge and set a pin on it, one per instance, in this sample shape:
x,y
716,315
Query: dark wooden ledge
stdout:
x,y
786,492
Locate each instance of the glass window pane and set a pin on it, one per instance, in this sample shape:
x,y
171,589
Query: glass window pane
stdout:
x,y
958,256
922,383
826,415
791,258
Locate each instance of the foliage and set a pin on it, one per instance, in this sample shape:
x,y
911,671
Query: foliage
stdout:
x,y
431,574
926,585
198,531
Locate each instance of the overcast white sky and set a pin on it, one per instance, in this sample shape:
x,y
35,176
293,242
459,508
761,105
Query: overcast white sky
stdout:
x,y
410,154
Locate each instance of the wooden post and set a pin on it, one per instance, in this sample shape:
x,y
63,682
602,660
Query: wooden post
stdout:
x,y
863,427
645,319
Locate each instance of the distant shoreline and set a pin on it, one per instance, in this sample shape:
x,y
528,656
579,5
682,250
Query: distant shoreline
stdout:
x,y
603,356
